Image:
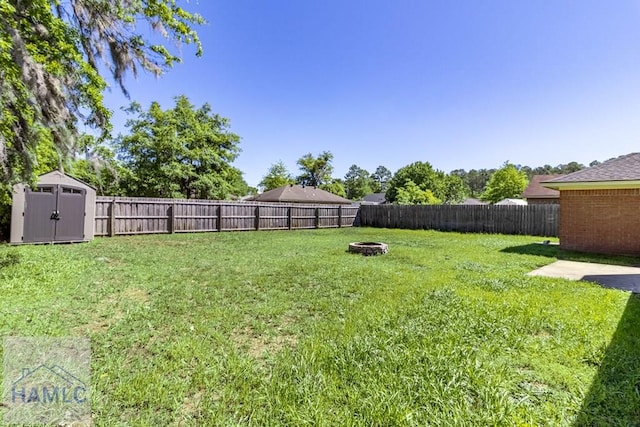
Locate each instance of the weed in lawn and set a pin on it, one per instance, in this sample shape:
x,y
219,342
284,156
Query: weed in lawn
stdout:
x,y
9,259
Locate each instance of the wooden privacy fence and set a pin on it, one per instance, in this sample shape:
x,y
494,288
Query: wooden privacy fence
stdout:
x,y
533,220
139,215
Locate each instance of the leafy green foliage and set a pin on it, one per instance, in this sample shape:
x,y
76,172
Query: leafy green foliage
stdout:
x,y
180,152
506,182
50,55
411,194
358,183
381,178
277,176
103,171
336,186
444,188
315,170
454,189
476,179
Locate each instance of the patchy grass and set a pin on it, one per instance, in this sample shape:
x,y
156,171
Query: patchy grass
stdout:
x,y
287,328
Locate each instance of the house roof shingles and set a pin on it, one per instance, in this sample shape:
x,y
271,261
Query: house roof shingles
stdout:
x,y
536,191
623,168
378,198
300,194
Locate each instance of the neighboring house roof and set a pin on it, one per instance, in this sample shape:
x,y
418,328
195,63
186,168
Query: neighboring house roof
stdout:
x,y
300,194
512,202
374,198
472,201
536,191
621,172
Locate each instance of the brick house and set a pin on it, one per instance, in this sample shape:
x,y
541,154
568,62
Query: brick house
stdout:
x,y
537,194
599,207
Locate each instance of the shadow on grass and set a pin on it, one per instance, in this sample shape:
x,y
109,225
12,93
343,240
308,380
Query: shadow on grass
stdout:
x,y
554,251
614,396
538,249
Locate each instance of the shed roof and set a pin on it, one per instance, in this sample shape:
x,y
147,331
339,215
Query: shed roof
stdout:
x,y
58,177
536,191
620,172
300,194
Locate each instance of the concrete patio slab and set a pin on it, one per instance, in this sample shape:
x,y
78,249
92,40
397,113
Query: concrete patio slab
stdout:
x,y
610,276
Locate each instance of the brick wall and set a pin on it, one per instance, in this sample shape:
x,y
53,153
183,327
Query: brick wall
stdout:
x,y
600,221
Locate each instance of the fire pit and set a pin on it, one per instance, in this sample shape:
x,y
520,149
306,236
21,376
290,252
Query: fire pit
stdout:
x,y
368,248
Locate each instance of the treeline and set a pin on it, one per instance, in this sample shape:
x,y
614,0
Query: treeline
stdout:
x,y
416,183
476,180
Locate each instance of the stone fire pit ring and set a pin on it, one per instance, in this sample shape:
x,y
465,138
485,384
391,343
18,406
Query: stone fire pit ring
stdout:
x,y
368,248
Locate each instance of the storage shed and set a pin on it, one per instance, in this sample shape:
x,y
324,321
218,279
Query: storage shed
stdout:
x,y
60,209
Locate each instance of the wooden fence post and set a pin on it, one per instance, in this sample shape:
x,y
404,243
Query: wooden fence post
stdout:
x,y
289,224
317,217
257,218
112,218
172,218
220,217
339,216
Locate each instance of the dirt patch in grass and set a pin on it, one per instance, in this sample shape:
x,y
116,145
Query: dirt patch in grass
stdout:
x,y
137,295
259,345
190,408
535,387
109,310
542,334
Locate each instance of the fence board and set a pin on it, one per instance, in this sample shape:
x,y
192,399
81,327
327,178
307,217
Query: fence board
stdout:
x,y
141,215
533,220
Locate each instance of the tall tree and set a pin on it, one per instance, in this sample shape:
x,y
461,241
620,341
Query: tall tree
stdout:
x,y
570,167
506,182
315,170
335,186
464,178
381,178
411,194
357,183
102,170
180,152
277,176
51,55
454,189
421,174
477,181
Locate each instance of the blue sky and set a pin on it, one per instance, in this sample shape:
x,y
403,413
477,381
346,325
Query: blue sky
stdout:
x,y
465,85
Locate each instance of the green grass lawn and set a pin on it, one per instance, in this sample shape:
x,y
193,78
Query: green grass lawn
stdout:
x,y
287,328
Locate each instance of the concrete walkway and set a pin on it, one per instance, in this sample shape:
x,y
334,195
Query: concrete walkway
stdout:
x,y
611,276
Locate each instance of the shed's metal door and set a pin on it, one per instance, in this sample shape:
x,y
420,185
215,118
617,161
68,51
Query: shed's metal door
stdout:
x,y
54,213
39,205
